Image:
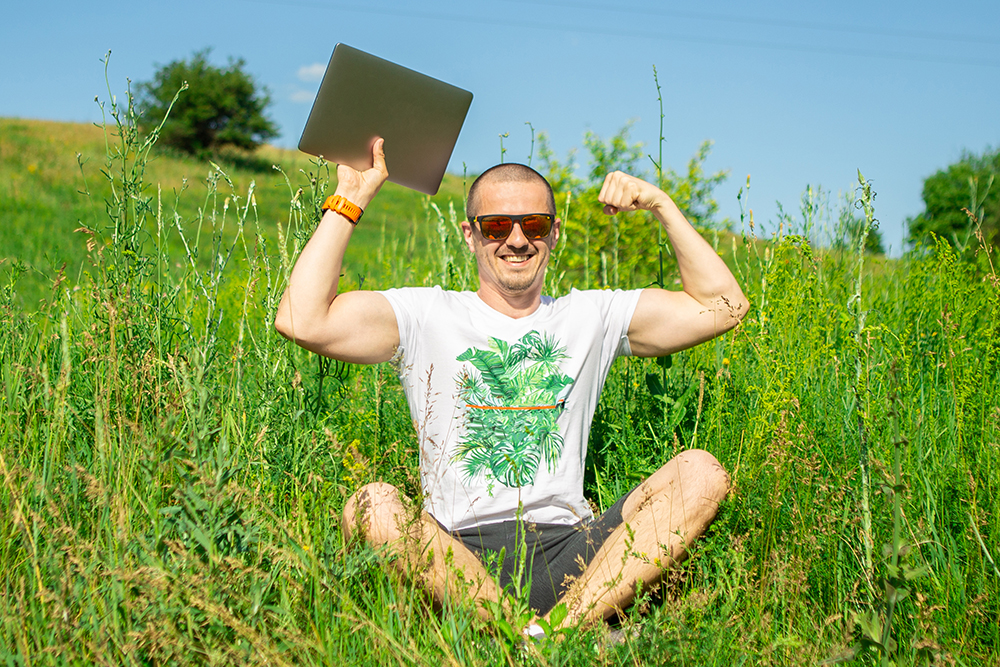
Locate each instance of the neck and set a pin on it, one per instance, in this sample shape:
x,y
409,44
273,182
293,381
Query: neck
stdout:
x,y
514,306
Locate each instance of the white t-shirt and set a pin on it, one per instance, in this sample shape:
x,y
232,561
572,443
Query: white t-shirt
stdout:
x,y
503,406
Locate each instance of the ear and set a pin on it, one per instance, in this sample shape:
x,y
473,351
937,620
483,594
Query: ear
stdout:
x,y
556,227
467,232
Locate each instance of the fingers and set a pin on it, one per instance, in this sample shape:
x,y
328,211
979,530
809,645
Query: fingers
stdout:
x,y
621,192
347,176
360,187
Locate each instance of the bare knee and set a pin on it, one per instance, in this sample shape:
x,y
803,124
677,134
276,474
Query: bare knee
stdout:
x,y
705,468
710,471
374,511
693,472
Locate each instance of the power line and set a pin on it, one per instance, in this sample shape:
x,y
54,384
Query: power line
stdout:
x,y
656,36
780,23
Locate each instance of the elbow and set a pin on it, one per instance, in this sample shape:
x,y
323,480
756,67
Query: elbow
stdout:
x,y
283,322
732,306
305,334
737,305
281,326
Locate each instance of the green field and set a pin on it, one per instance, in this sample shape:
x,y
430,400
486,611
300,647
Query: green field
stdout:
x,y
172,469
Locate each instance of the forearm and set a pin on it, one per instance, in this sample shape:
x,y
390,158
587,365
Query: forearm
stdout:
x,y
314,281
712,302
304,313
704,276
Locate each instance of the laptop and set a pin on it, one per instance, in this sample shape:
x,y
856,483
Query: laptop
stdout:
x,y
363,97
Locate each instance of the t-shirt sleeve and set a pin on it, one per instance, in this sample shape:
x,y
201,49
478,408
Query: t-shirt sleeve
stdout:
x,y
623,308
409,305
404,314
616,308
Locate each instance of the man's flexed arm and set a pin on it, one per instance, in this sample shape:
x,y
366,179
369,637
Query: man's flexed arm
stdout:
x,y
355,326
711,302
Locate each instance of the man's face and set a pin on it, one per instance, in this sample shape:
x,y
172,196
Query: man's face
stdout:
x,y
516,265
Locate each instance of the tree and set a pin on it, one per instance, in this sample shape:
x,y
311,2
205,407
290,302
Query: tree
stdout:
x,y
967,184
619,250
221,106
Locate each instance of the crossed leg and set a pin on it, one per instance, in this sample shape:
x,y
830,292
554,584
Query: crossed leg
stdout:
x,y
661,518
422,550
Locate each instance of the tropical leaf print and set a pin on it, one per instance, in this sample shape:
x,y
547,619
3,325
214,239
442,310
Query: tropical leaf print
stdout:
x,y
514,393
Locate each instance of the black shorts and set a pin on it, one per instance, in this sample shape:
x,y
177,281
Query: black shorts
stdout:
x,y
556,553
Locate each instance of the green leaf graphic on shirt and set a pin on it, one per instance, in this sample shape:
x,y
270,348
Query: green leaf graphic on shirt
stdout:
x,y
503,444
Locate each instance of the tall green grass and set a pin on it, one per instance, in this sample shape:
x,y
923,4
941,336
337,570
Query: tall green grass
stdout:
x,y
171,470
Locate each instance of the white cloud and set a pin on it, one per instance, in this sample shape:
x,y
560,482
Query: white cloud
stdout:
x,y
312,72
303,96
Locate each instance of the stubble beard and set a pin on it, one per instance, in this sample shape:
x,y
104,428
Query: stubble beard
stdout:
x,y
515,283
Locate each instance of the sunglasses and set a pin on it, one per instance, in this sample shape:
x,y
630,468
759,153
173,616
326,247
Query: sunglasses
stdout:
x,y
534,226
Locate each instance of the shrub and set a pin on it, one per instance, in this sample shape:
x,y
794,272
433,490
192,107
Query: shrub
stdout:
x,y
220,106
950,195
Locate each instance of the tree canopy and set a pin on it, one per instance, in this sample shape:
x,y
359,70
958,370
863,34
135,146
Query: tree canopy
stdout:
x,y
621,245
222,106
967,184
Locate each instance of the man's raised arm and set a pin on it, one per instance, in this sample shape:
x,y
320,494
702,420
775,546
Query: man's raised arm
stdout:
x,y
711,302
359,327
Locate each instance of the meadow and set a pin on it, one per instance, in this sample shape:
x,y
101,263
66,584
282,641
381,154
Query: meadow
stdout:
x,y
173,470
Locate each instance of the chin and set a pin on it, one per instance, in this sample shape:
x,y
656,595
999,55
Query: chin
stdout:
x,y
517,282
516,285
516,289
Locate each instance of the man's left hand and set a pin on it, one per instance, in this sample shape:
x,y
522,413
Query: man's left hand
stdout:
x,y
622,192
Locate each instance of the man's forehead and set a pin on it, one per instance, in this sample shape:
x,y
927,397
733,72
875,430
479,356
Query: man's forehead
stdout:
x,y
513,189
513,197
512,185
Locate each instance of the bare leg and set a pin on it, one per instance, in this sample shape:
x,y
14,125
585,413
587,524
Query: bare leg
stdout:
x,y
425,552
661,519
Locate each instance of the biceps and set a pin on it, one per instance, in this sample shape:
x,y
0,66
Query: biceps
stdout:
x,y
360,327
665,322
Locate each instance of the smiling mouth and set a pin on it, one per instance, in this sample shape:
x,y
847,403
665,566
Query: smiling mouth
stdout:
x,y
516,259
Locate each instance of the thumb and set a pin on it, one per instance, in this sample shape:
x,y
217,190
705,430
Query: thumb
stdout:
x,y
378,155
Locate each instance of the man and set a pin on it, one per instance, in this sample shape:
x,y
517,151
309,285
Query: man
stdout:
x,y
502,385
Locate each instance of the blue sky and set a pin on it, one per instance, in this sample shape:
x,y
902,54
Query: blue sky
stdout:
x,y
792,93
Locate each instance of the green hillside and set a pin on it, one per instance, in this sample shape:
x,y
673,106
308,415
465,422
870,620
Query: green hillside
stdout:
x,y
172,470
48,168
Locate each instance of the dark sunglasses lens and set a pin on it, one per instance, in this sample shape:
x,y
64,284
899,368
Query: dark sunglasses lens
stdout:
x,y
495,227
536,226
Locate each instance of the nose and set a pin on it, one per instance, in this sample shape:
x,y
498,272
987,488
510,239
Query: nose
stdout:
x,y
517,239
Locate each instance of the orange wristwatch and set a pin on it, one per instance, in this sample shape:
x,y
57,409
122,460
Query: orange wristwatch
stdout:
x,y
338,204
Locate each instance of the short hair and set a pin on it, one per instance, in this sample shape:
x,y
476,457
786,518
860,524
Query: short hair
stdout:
x,y
509,172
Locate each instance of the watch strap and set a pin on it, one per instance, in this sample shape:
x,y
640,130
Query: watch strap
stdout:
x,y
339,204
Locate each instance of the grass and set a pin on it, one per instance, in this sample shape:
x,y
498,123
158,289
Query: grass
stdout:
x,y
171,470
54,182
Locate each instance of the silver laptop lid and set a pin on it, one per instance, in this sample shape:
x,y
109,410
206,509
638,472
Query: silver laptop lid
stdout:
x,y
363,97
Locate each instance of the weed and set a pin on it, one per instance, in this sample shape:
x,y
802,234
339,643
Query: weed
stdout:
x,y
172,471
